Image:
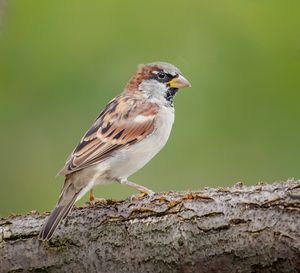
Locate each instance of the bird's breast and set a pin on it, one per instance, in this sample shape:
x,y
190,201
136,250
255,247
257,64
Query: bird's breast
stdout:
x,y
126,162
164,123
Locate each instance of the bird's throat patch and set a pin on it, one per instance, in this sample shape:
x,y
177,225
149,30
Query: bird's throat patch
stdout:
x,y
170,94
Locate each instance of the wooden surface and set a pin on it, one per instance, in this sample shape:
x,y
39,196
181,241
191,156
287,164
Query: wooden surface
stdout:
x,y
238,229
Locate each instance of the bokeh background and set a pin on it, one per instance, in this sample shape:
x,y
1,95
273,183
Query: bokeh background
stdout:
x,y
62,61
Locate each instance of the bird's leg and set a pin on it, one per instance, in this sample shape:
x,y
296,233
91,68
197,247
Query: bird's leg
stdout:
x,y
93,200
140,188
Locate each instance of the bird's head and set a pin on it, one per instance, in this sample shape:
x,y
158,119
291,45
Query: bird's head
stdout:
x,y
159,81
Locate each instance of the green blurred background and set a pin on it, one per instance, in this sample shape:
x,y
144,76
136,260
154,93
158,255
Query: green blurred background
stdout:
x,y
61,61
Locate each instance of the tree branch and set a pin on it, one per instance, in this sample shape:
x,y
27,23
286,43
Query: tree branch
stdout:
x,y
239,229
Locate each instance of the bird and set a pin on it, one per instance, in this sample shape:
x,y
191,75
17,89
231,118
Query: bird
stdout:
x,y
126,135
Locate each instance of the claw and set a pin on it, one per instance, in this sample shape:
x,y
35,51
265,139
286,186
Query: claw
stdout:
x,y
94,200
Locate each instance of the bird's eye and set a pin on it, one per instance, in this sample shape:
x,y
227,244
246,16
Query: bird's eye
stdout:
x,y
161,75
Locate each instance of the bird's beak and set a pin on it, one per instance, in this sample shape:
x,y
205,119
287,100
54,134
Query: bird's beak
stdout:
x,y
179,82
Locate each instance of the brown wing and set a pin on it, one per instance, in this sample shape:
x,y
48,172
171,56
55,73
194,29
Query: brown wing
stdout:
x,y
125,121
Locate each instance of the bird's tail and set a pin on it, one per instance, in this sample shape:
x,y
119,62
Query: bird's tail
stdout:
x,y
62,209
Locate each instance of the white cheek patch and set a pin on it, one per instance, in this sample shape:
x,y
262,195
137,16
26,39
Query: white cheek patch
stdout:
x,y
141,118
154,90
152,86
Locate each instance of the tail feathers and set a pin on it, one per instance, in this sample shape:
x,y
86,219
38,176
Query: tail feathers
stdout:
x,y
56,216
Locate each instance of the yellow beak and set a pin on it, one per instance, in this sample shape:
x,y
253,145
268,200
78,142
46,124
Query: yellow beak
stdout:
x,y
179,82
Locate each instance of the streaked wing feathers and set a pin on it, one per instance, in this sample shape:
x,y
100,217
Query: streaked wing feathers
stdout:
x,y
125,121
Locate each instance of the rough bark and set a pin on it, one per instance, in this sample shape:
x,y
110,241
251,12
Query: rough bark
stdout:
x,y
239,229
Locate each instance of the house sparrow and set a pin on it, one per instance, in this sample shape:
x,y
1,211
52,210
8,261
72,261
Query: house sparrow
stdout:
x,y
126,135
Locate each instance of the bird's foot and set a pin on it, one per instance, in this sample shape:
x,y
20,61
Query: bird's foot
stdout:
x,y
96,200
141,195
